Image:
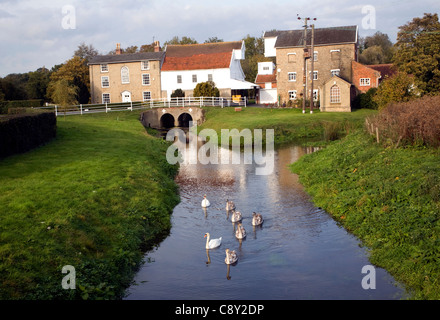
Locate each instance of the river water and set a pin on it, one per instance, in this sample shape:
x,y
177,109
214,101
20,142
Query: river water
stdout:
x,y
299,252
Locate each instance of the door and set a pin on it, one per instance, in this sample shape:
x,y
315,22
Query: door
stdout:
x,y
126,96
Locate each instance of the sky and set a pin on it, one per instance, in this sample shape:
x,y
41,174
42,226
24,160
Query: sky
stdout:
x,y
36,33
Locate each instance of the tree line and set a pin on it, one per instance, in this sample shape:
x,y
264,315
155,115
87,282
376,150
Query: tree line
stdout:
x,y
416,55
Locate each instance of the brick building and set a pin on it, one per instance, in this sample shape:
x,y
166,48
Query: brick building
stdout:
x,y
126,77
334,50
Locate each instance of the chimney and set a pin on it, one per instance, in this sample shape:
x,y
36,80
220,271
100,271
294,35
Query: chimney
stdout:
x,y
118,48
156,46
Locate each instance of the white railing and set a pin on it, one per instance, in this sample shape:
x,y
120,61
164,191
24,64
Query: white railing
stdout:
x,y
156,103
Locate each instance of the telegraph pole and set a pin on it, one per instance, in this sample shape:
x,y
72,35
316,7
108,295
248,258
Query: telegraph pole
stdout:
x,y
306,56
312,65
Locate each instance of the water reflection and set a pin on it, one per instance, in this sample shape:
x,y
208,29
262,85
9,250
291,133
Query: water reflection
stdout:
x,y
298,253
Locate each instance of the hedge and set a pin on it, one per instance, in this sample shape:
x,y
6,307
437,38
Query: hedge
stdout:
x,y
5,105
21,133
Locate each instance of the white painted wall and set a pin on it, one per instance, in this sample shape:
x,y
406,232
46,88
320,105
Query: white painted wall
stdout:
x,y
268,96
267,64
269,47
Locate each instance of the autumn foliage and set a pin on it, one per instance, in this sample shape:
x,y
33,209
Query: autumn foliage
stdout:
x,y
416,122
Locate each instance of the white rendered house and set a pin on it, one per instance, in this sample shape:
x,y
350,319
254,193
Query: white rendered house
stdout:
x,y
267,81
186,65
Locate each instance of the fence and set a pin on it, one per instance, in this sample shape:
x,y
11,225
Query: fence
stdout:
x,y
156,103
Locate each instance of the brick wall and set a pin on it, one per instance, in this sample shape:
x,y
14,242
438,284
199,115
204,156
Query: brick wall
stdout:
x,y
135,86
330,57
361,71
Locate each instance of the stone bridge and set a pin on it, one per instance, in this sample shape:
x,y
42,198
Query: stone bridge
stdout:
x,y
162,118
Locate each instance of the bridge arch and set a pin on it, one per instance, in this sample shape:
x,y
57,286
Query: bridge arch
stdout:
x,y
184,119
167,121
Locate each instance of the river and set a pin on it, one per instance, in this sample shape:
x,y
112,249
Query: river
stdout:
x,y
299,252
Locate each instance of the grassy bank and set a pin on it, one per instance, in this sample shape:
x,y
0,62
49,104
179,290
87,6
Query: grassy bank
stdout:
x,y
290,125
91,198
389,198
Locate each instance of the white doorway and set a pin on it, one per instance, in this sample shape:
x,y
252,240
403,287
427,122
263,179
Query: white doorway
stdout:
x,y
126,96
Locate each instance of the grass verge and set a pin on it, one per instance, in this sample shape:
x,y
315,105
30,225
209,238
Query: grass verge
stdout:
x,y
290,125
92,198
389,198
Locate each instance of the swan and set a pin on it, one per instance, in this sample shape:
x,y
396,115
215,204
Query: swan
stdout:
x,y
205,202
231,256
236,216
257,219
240,233
212,243
230,205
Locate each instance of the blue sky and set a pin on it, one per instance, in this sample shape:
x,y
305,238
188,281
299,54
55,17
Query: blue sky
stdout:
x,y
33,33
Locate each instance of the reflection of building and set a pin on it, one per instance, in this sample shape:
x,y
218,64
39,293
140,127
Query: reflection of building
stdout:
x,y
126,77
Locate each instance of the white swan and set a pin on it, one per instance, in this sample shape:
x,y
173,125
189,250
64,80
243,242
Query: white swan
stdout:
x,y
230,205
212,243
257,219
240,233
231,256
236,216
205,202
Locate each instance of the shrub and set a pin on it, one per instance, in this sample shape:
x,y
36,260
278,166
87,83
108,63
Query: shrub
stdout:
x,y
178,93
413,122
20,133
365,100
206,89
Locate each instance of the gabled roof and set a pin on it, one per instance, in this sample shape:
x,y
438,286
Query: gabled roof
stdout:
x,y
263,78
127,57
323,36
386,70
200,56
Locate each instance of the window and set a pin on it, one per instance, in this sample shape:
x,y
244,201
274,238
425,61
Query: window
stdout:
x,y
315,94
125,77
315,75
315,56
146,95
106,98
145,65
291,57
365,81
335,72
335,94
210,77
104,67
336,54
179,78
292,94
292,76
266,68
145,79
194,78
105,83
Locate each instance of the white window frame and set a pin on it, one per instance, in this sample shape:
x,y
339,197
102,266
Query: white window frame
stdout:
x,y
335,98
125,78
315,75
315,55
143,95
293,74
335,72
210,77
145,65
364,82
105,81
179,78
292,95
105,98
146,81
315,95
104,67
194,78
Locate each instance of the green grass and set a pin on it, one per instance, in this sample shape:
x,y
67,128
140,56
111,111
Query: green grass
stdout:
x,y
387,197
290,125
91,198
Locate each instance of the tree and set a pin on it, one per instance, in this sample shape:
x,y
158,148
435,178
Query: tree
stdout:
x,y
184,40
85,52
213,40
63,93
37,83
206,89
376,49
398,88
418,52
254,53
76,72
178,93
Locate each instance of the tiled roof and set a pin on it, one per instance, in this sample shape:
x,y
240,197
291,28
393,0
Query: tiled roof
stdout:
x,y
386,70
127,57
323,36
263,78
200,56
